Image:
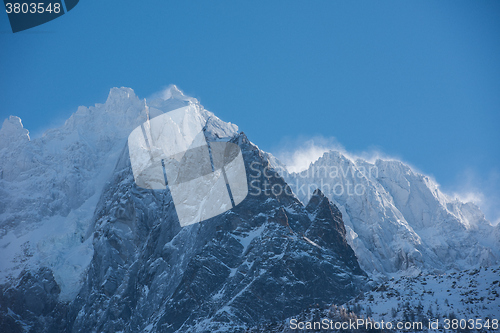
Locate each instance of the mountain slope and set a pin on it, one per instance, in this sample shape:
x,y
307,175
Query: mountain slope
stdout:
x,y
468,294
136,268
397,219
249,265
51,185
83,247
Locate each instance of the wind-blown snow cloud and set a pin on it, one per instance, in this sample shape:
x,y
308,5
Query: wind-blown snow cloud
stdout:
x,y
163,93
297,154
55,122
480,189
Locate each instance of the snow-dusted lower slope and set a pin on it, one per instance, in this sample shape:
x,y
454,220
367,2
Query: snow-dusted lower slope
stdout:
x,y
468,299
50,186
398,219
469,294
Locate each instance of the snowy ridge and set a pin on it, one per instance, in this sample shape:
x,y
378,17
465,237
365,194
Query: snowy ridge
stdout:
x,y
471,297
244,266
398,219
13,132
50,186
469,294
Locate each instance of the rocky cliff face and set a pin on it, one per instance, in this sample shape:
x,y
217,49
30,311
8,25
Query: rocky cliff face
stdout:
x,y
265,260
83,248
257,262
32,304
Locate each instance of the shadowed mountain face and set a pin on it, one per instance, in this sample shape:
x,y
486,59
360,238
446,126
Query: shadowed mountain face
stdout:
x,y
248,265
265,260
327,228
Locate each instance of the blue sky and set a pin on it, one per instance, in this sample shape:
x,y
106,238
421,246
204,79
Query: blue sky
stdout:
x,y
419,80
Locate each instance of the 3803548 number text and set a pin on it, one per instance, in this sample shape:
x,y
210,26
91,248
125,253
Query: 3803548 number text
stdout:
x,y
32,8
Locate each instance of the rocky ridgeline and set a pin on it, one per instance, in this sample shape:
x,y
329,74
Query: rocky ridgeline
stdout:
x,y
263,261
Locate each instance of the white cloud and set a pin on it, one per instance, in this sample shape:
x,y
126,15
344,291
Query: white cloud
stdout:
x,y
481,189
163,93
298,153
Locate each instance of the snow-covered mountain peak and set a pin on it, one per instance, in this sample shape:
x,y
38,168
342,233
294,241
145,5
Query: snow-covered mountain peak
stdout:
x,y
13,131
172,98
49,186
174,92
121,99
121,93
397,218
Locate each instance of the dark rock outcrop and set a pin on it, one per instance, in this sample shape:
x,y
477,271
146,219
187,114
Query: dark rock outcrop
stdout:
x,y
265,260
